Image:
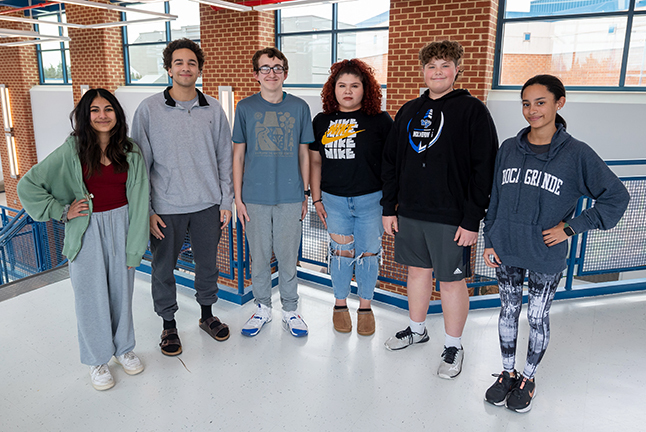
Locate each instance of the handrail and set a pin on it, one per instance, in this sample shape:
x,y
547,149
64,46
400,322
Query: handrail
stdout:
x,y
13,227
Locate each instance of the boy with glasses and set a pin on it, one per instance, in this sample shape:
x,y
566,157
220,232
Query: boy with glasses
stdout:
x,y
271,134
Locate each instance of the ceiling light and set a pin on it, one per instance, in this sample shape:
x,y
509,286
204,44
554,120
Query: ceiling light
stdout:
x,y
225,5
295,3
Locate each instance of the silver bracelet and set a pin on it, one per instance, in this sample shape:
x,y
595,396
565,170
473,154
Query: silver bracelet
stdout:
x,y
64,218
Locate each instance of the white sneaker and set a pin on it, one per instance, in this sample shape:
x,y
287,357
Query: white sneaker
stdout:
x,y
131,363
405,338
101,377
451,364
257,320
293,323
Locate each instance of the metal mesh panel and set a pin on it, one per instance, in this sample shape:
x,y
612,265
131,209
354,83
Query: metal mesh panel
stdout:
x,y
480,270
623,247
314,244
34,248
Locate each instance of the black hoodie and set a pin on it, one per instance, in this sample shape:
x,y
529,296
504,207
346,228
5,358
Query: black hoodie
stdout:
x,y
439,160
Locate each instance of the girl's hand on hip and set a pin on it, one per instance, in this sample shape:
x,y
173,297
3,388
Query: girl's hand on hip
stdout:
x,y
77,208
554,236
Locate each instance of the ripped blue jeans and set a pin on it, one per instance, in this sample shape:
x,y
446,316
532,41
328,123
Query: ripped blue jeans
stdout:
x,y
358,220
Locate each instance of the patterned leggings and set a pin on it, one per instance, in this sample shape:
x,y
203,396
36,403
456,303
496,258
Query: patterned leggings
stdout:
x,y
542,288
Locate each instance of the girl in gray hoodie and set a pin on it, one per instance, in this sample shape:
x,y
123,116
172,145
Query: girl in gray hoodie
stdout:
x,y
540,174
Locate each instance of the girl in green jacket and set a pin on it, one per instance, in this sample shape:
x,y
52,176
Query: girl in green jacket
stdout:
x,y
96,183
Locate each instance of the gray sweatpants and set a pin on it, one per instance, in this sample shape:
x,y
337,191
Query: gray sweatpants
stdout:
x,y
103,287
277,228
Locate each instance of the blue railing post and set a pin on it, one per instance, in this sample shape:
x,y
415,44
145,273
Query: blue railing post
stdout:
x,y
240,259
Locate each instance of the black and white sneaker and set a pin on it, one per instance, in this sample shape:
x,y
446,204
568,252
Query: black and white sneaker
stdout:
x,y
451,364
405,338
521,395
498,392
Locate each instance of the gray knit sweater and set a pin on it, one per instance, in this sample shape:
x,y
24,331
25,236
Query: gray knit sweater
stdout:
x,y
188,153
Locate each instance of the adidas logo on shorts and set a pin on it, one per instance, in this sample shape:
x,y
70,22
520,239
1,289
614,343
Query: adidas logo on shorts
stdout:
x,y
457,271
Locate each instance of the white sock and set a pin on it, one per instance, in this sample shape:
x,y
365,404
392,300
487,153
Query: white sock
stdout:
x,y
450,341
418,327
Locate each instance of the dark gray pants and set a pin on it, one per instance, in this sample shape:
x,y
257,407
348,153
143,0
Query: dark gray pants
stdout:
x,y
204,230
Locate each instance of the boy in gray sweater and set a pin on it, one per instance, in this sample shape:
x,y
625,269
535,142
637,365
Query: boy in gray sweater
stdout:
x,y
186,142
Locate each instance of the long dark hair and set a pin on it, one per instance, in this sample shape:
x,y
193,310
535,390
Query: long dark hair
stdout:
x,y
371,102
87,140
553,85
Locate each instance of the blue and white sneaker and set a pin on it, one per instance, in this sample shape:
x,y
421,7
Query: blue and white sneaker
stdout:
x,y
257,320
293,323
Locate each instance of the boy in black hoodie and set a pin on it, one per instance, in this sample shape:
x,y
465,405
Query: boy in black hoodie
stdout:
x,y
437,172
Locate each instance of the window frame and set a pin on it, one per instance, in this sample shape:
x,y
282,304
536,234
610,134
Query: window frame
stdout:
x,y
630,13
67,79
126,50
334,32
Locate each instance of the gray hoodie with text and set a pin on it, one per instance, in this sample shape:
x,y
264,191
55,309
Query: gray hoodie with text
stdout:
x,y
534,192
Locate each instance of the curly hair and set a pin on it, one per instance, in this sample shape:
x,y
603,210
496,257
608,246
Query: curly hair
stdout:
x,y
444,50
87,140
371,102
180,44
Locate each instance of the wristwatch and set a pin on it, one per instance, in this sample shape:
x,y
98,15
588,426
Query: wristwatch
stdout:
x,y
308,193
568,230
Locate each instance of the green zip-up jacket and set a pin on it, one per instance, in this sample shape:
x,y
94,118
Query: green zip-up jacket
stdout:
x,y
58,180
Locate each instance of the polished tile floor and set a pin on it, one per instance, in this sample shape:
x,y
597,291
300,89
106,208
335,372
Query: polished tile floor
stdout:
x,y
591,379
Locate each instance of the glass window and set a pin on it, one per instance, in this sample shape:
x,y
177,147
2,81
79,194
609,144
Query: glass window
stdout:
x,y
581,52
306,18
145,42
309,58
636,66
532,8
154,31
187,24
371,47
312,40
357,14
52,64
146,65
586,47
53,56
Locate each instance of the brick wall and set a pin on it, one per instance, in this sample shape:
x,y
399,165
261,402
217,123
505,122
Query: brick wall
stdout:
x,y
229,40
19,73
598,68
414,24
96,55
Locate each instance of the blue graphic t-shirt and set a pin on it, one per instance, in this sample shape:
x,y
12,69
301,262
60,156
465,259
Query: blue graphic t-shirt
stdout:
x,y
272,133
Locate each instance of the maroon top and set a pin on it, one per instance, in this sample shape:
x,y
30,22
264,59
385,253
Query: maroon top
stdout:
x,y
108,188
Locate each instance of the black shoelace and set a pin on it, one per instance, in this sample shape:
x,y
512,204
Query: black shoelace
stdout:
x,y
449,354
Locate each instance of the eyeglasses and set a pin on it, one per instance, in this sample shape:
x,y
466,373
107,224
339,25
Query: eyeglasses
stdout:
x,y
278,69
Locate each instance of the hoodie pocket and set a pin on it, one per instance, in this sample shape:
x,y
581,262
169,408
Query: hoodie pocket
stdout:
x,y
524,242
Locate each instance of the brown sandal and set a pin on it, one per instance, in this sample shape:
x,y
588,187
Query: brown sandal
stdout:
x,y
169,337
214,329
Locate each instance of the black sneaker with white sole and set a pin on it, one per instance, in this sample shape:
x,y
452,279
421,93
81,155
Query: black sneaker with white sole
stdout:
x,y
498,392
521,395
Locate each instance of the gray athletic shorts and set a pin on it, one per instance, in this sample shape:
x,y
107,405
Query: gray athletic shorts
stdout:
x,y
430,245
